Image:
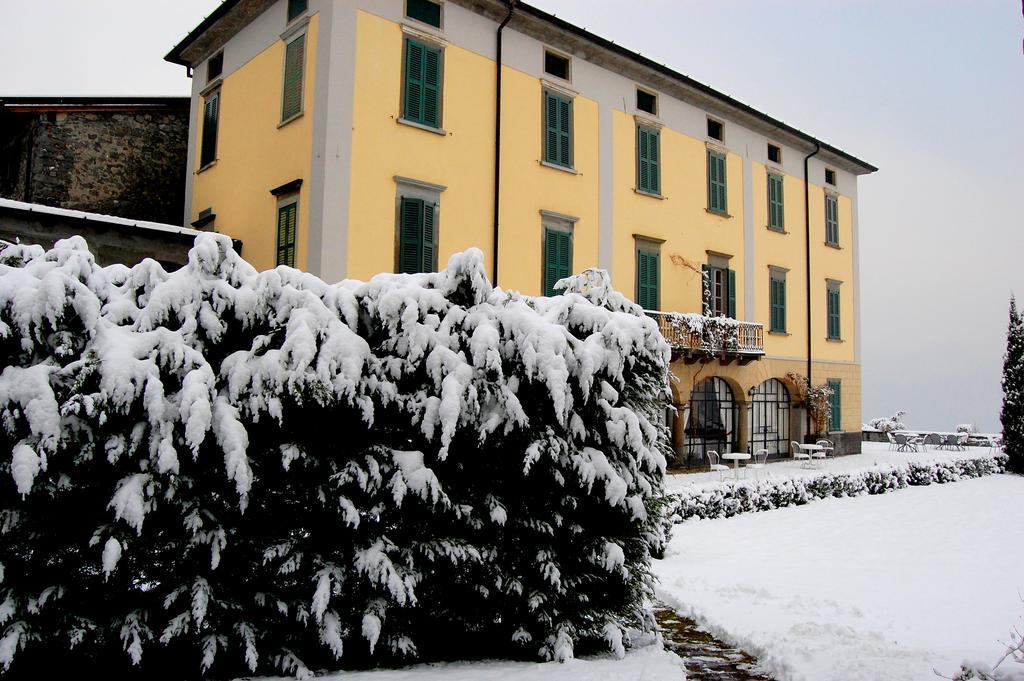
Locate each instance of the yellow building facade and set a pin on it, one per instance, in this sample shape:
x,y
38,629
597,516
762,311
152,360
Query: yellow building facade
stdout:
x,y
353,137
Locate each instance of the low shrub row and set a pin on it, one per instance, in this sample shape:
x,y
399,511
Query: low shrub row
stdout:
x,y
732,498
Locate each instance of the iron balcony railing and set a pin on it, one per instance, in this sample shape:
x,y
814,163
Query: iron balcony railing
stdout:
x,y
693,335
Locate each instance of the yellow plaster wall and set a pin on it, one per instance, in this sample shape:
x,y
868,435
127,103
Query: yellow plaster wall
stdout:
x,y
255,156
529,187
785,250
831,263
461,160
382,148
680,217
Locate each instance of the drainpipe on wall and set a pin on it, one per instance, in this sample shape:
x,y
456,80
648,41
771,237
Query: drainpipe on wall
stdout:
x,y
807,245
497,138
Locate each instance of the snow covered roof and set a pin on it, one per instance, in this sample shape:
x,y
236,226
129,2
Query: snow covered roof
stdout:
x,y
96,217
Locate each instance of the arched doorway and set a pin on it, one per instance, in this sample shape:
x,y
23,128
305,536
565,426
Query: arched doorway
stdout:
x,y
768,418
711,419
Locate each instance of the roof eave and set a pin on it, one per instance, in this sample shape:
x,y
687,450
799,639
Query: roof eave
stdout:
x,y
838,156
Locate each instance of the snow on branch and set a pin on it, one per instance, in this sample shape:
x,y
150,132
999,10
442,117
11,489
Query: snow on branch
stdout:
x,y
273,472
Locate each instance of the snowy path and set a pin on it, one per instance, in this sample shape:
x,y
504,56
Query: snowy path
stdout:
x,y
879,587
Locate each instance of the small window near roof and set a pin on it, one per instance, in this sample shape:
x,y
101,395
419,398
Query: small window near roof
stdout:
x,y
715,129
830,176
215,66
296,8
556,65
774,154
646,101
427,11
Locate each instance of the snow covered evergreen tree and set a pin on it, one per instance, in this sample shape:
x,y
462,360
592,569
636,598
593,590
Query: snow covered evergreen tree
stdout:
x,y
1012,414
221,471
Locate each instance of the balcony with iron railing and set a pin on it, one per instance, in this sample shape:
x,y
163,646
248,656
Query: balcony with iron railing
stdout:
x,y
696,338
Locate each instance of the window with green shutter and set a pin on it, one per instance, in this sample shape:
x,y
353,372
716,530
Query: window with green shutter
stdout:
x,y
776,214
836,402
720,296
716,182
834,320
211,118
648,160
294,67
557,129
778,302
424,66
287,217
557,258
417,236
831,220
647,278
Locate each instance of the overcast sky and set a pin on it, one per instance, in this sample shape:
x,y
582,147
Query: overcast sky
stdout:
x,y
930,91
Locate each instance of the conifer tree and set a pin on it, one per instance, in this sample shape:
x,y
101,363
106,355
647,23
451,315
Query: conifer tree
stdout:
x,y
1012,414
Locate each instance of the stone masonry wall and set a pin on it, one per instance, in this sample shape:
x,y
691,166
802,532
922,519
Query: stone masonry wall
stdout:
x,y
129,164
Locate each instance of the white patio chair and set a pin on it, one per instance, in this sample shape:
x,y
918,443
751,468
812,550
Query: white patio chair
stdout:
x,y
830,449
892,441
714,463
800,455
760,463
903,443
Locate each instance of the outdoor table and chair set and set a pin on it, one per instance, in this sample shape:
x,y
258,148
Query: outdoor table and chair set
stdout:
x,y
809,456
907,441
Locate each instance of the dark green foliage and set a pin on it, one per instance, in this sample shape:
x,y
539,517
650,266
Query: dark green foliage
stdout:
x,y
1012,413
219,472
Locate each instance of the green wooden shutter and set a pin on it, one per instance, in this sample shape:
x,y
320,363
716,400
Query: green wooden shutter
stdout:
x,y
410,238
431,87
413,81
557,129
778,305
834,325
732,294
211,118
424,69
294,66
776,213
648,143
565,130
831,221
286,226
428,237
557,258
716,182
836,400
647,280
643,169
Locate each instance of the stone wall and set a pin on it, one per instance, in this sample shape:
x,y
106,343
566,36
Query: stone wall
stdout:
x,y
125,163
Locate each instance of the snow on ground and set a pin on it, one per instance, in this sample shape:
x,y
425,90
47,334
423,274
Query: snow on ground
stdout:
x,y
868,588
649,663
872,453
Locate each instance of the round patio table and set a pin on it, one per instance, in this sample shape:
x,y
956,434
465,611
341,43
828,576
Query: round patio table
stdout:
x,y
736,457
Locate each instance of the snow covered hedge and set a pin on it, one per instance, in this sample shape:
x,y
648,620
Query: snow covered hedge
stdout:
x,y
223,471
730,498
